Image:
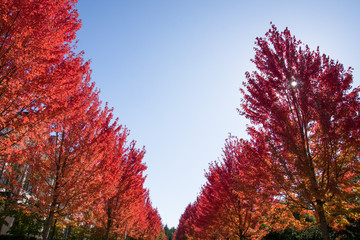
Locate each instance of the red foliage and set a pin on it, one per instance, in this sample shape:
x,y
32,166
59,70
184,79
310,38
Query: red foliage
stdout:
x,y
37,64
148,222
305,111
62,164
235,199
63,153
185,229
124,208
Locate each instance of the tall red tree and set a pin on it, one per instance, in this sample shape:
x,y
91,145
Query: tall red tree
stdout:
x,y
237,196
302,106
147,224
248,189
185,229
63,164
237,199
254,185
117,209
37,65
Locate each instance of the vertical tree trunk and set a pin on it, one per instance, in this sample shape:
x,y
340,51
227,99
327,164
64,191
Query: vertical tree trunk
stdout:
x,y
55,194
109,222
107,232
322,219
48,223
50,219
53,230
125,232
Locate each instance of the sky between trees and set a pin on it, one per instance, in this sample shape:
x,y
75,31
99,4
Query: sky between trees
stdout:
x,y
172,71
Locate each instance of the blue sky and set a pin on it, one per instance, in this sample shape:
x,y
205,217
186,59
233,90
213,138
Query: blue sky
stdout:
x,y
172,71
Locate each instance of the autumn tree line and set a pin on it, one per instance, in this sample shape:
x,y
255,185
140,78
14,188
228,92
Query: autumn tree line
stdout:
x,y
298,173
65,160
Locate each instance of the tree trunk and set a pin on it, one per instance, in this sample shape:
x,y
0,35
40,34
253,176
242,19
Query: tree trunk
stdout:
x,y
322,219
55,194
109,222
125,233
53,231
107,232
48,223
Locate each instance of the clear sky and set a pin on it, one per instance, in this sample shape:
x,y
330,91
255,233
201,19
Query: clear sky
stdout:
x,y
172,70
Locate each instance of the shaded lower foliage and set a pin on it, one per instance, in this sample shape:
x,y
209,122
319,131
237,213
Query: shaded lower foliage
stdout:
x,y
313,233
16,237
352,232
26,224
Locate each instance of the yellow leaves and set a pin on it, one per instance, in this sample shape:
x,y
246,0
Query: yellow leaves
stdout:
x,y
339,223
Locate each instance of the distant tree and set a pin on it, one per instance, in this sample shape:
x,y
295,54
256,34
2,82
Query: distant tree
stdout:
x,y
185,229
306,115
117,210
237,200
149,222
169,232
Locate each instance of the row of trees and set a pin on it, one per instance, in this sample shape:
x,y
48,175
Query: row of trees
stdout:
x,y
300,166
63,155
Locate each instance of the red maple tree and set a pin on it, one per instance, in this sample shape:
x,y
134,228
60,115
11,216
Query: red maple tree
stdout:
x,y
116,209
147,223
302,106
62,165
37,65
185,229
237,199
